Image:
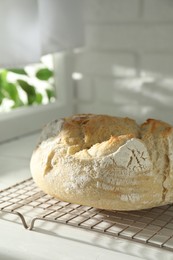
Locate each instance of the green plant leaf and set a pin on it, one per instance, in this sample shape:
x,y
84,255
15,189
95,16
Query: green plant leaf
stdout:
x,y
31,100
18,71
8,89
11,91
39,98
18,103
1,89
1,96
4,81
44,74
29,89
50,93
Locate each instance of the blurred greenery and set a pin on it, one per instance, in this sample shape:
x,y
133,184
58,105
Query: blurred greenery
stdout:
x,y
18,71
12,91
44,74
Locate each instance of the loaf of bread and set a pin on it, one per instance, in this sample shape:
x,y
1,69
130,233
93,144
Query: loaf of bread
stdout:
x,y
106,162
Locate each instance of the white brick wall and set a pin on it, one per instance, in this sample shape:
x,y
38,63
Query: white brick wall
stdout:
x,y
130,37
112,10
127,64
105,63
158,63
158,10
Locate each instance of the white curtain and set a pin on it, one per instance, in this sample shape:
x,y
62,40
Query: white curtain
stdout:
x,y
32,28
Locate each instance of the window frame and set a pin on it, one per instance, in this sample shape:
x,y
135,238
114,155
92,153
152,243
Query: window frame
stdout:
x,y
24,121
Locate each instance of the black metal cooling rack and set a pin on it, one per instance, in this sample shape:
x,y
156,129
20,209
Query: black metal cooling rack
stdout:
x,y
153,226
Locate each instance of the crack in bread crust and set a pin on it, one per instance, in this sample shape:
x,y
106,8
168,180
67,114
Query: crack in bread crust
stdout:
x,y
168,164
165,176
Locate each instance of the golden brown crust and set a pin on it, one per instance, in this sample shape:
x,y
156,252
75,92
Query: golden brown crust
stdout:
x,y
89,129
106,162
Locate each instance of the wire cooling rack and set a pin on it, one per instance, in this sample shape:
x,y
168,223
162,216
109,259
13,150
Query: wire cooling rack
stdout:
x,y
25,200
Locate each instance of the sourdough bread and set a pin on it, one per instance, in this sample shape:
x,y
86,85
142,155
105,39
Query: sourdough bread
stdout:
x,y
106,162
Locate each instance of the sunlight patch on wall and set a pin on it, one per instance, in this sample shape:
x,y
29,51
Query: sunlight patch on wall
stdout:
x,y
77,76
143,94
120,71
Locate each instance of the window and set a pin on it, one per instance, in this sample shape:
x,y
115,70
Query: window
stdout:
x,y
53,103
29,86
